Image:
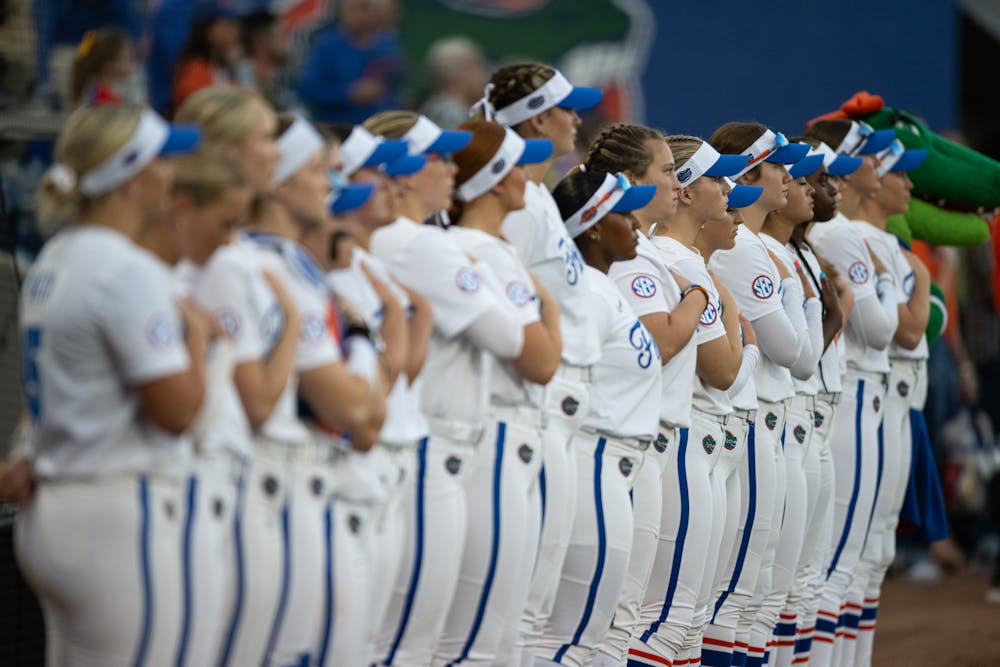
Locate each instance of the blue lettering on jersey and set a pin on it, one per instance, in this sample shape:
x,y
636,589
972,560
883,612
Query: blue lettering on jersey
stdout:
x,y
908,282
31,342
763,287
640,339
573,260
39,286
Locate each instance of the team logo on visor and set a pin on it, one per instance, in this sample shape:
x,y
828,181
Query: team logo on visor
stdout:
x,y
903,388
536,101
708,443
771,420
684,174
730,442
858,273
625,467
817,419
570,405
525,453
643,287
498,166
800,433
763,287
661,442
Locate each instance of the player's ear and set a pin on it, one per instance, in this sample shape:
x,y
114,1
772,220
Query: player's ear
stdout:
x,y
685,197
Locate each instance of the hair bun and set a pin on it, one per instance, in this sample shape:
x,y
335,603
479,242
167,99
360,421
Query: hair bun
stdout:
x,y
63,177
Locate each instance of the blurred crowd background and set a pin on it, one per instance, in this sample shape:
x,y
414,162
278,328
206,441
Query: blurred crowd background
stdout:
x,y
684,67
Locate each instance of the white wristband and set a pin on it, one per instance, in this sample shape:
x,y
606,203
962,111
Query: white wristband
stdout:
x,y
362,358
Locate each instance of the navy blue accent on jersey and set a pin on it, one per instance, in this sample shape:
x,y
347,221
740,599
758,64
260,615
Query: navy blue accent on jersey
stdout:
x,y
602,552
186,574
286,574
859,408
297,258
747,525
327,633
145,574
878,478
234,624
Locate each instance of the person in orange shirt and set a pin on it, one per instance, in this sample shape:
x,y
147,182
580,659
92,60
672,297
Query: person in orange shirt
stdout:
x,y
212,50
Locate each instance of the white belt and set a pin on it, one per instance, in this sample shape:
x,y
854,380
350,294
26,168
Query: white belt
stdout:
x,y
641,444
831,397
574,373
874,376
908,361
523,415
307,451
460,432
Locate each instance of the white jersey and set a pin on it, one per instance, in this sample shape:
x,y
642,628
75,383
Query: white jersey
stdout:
x,y
98,319
841,242
749,273
788,258
404,423
427,259
829,376
625,392
538,233
516,286
222,425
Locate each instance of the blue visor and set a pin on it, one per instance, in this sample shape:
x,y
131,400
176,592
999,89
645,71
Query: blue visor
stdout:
x,y
581,98
181,139
742,196
535,151
844,165
635,197
876,141
406,165
910,160
789,154
806,166
727,165
386,151
450,141
351,197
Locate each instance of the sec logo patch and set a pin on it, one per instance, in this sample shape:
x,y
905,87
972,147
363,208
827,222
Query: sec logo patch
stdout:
x,y
467,280
160,331
229,321
763,287
643,287
858,273
709,315
313,327
518,293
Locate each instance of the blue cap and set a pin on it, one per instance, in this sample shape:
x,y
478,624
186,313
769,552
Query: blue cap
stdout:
x,y
535,151
806,166
635,197
742,196
844,165
910,160
727,165
386,151
450,141
181,139
406,165
876,141
351,197
788,154
581,98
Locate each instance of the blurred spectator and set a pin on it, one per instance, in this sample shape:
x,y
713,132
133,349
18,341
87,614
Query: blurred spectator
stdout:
x,y
103,66
60,26
266,52
355,68
457,71
212,50
170,25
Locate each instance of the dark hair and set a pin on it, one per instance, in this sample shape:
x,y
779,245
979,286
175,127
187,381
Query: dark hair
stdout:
x,y
255,25
734,138
623,147
487,136
576,187
516,81
198,44
97,50
830,131
285,121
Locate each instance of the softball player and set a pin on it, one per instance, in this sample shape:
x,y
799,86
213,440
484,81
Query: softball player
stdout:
x,y
907,355
855,431
618,428
767,295
113,375
826,383
469,321
502,486
536,100
797,437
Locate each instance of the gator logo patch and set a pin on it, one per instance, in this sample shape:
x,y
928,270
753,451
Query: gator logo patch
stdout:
x,y
625,467
730,442
771,420
800,433
818,419
525,453
903,388
453,464
876,403
661,442
569,406
316,486
708,444
354,522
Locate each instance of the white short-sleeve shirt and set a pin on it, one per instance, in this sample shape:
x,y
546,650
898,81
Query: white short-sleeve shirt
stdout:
x,y
749,273
404,423
455,376
98,320
517,288
539,234
626,383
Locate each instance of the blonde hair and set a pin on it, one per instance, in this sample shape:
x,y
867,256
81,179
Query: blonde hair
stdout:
x,y
206,175
225,114
89,138
623,147
683,146
391,124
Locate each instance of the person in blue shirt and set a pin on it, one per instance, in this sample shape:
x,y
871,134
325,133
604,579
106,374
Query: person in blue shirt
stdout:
x,y
355,68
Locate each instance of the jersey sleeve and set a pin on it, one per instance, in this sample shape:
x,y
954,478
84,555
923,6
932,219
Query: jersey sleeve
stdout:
x,y
516,285
849,255
710,324
441,273
749,273
225,291
599,302
316,346
640,282
142,324
522,229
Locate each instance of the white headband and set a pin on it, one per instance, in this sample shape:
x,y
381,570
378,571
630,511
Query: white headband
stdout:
x,y
889,156
357,148
598,206
854,139
552,92
495,170
759,150
140,149
696,166
297,145
420,137
829,156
